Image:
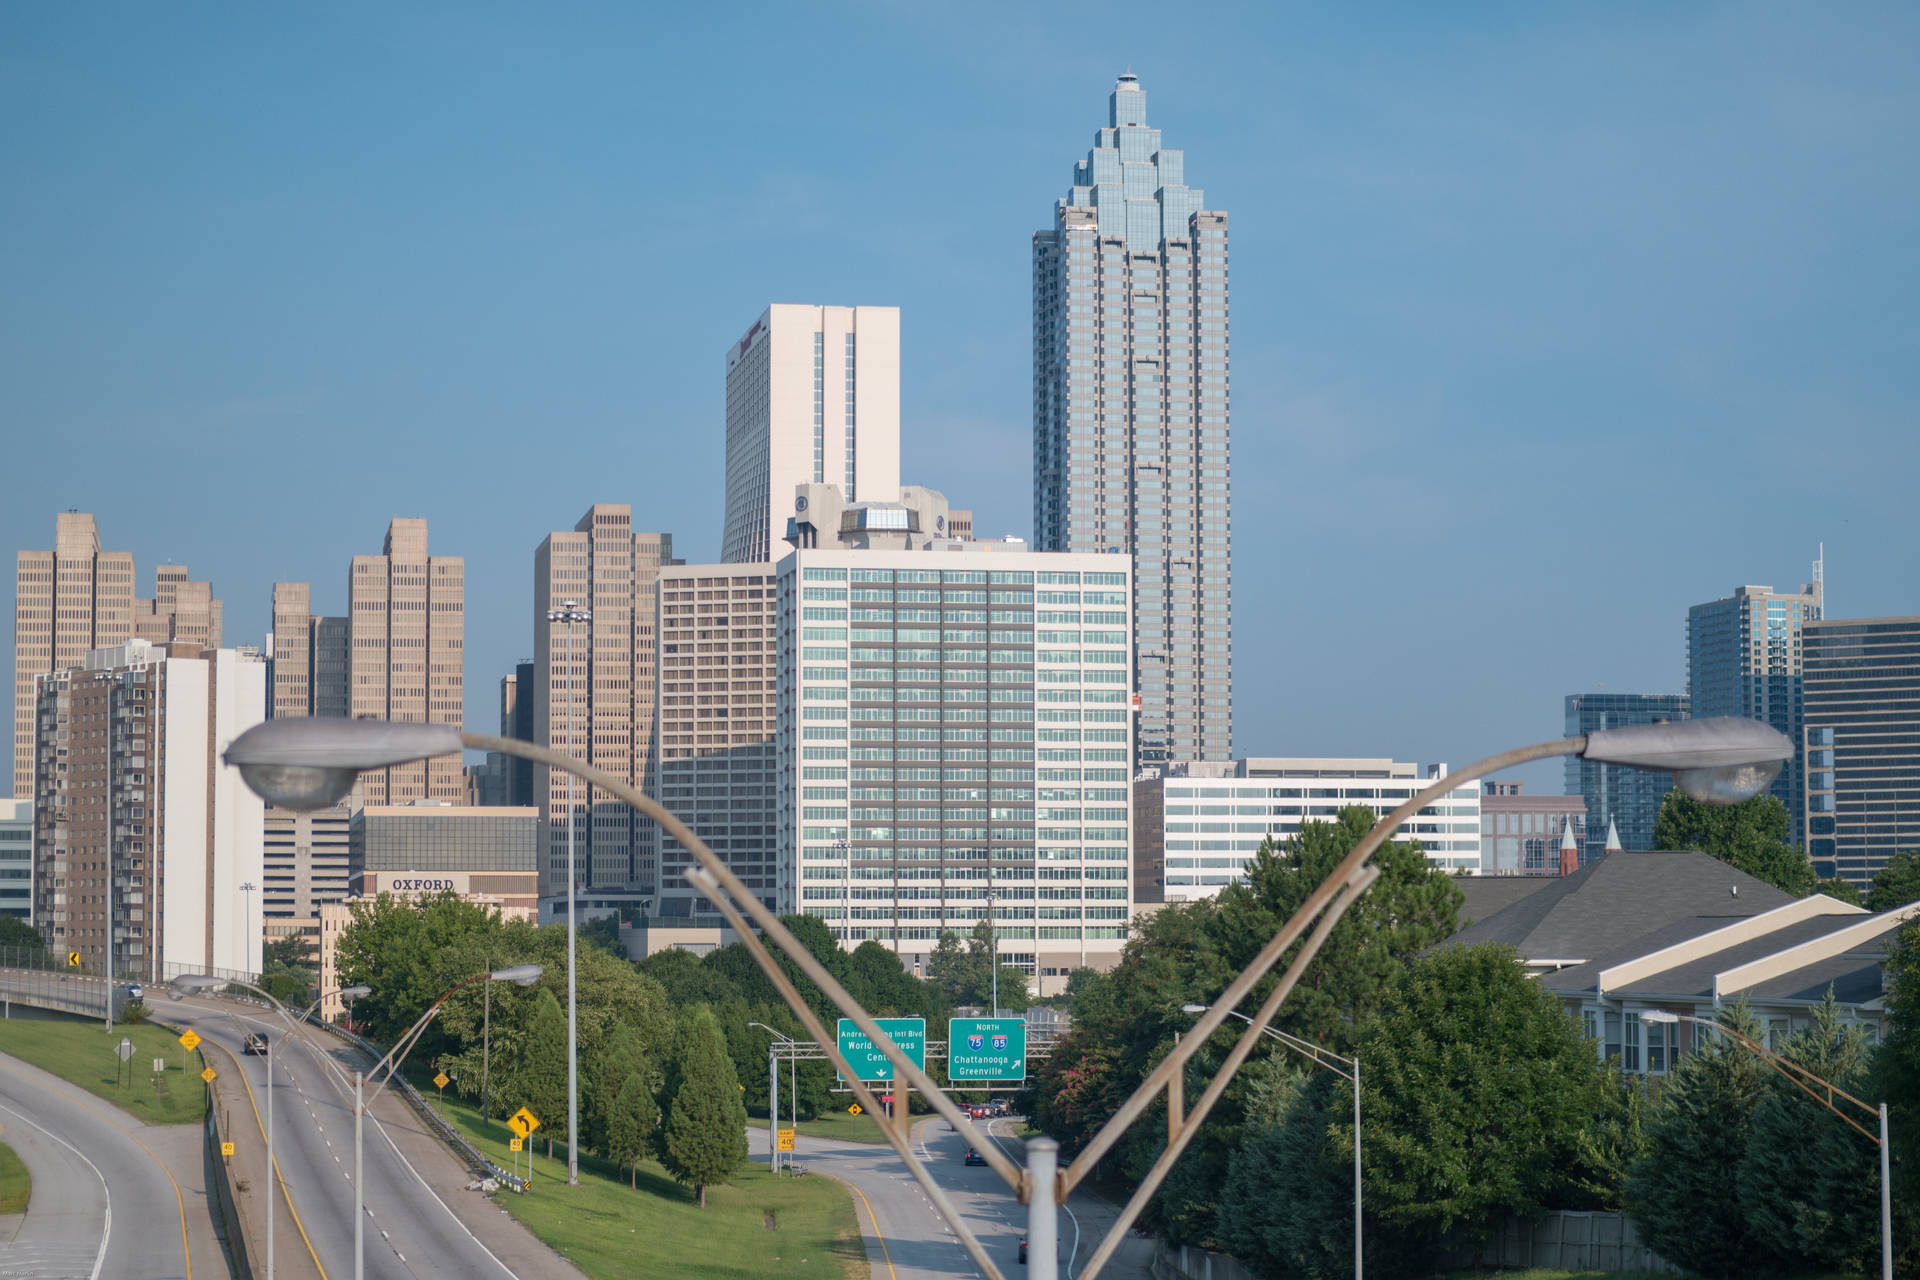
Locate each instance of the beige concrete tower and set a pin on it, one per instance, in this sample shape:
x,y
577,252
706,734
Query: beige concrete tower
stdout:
x,y
307,656
813,397
181,610
596,701
67,602
407,616
715,751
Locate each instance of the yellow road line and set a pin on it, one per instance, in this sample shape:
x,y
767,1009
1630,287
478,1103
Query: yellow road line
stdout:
x,y
186,1252
870,1218
286,1198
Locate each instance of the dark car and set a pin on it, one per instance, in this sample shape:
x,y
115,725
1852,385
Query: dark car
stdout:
x,y
974,1157
255,1043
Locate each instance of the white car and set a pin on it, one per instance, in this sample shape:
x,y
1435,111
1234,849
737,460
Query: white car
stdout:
x,y
136,992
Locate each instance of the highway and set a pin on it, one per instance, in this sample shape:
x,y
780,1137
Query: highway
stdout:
x,y
906,1237
412,1229
103,1203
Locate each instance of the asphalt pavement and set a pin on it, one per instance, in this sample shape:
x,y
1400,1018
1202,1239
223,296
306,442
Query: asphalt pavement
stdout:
x,y
906,1237
104,1202
413,1185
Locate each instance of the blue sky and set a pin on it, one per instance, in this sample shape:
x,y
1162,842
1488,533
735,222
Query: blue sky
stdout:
x,y
1548,321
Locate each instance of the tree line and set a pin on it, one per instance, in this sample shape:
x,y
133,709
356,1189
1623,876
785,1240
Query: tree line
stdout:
x,y
670,1061
1482,1099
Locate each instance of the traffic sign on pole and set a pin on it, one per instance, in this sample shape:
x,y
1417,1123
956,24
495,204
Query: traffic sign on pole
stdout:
x,y
786,1140
208,1075
986,1049
909,1035
189,1039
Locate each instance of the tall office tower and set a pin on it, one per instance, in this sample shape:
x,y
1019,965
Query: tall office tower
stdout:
x,y
1743,659
1130,418
307,656
954,738
1628,799
593,689
140,832
714,750
407,616
67,602
16,859
813,396
1862,739
181,610
305,867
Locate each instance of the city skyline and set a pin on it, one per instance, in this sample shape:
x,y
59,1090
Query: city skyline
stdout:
x,y
1407,320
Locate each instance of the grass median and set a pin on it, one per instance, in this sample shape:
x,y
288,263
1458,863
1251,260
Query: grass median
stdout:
x,y
754,1226
16,1186
82,1053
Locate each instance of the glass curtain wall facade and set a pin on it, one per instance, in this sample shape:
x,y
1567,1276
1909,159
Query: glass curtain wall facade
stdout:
x,y
1130,416
1744,659
1862,746
1628,798
954,729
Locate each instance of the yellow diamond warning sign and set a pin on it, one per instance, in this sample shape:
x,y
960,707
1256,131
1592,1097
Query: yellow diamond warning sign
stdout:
x,y
190,1040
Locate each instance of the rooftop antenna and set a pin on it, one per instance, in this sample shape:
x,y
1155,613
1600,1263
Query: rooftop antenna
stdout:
x,y
1820,580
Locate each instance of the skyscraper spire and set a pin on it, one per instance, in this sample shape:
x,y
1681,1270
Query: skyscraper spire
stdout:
x,y
1130,416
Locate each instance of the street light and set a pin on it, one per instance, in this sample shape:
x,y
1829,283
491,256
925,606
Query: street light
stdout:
x,y
570,612
1800,1077
311,762
1344,1067
773,1095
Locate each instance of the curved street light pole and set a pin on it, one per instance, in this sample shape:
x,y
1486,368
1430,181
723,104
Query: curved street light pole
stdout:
x,y
1804,1080
312,762
569,613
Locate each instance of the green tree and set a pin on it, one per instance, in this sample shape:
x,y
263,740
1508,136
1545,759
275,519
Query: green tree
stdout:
x,y
1685,1191
630,1125
1751,835
1809,1180
411,953
18,934
539,1081
1286,1197
620,1056
1842,890
604,932
1897,883
705,1135
1896,1077
1480,1092
957,971
1413,906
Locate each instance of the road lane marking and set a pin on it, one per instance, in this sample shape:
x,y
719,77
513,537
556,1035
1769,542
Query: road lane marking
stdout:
x,y
186,1252
286,1196
884,1253
1071,1216
106,1233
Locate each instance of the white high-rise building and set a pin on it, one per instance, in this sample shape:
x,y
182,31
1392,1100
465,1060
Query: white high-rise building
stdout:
x,y
955,730
813,396
145,840
1199,825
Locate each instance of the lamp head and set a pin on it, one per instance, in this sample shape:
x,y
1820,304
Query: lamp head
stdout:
x,y
197,981
1658,1015
311,762
522,975
1720,760
354,993
1193,1008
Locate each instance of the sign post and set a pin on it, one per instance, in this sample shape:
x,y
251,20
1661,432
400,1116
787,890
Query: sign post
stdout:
x,y
986,1049
189,1041
123,1051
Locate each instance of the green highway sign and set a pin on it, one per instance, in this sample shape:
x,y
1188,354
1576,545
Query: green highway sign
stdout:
x,y
909,1035
986,1049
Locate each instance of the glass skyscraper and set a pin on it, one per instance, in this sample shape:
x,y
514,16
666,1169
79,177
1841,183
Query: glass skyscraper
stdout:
x,y
1743,659
1130,418
1627,798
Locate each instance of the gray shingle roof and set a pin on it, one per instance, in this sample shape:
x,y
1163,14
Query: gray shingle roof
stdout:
x,y
1488,894
1612,904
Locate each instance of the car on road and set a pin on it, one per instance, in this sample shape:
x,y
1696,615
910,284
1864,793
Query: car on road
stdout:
x,y
255,1043
974,1157
136,992
1023,1251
